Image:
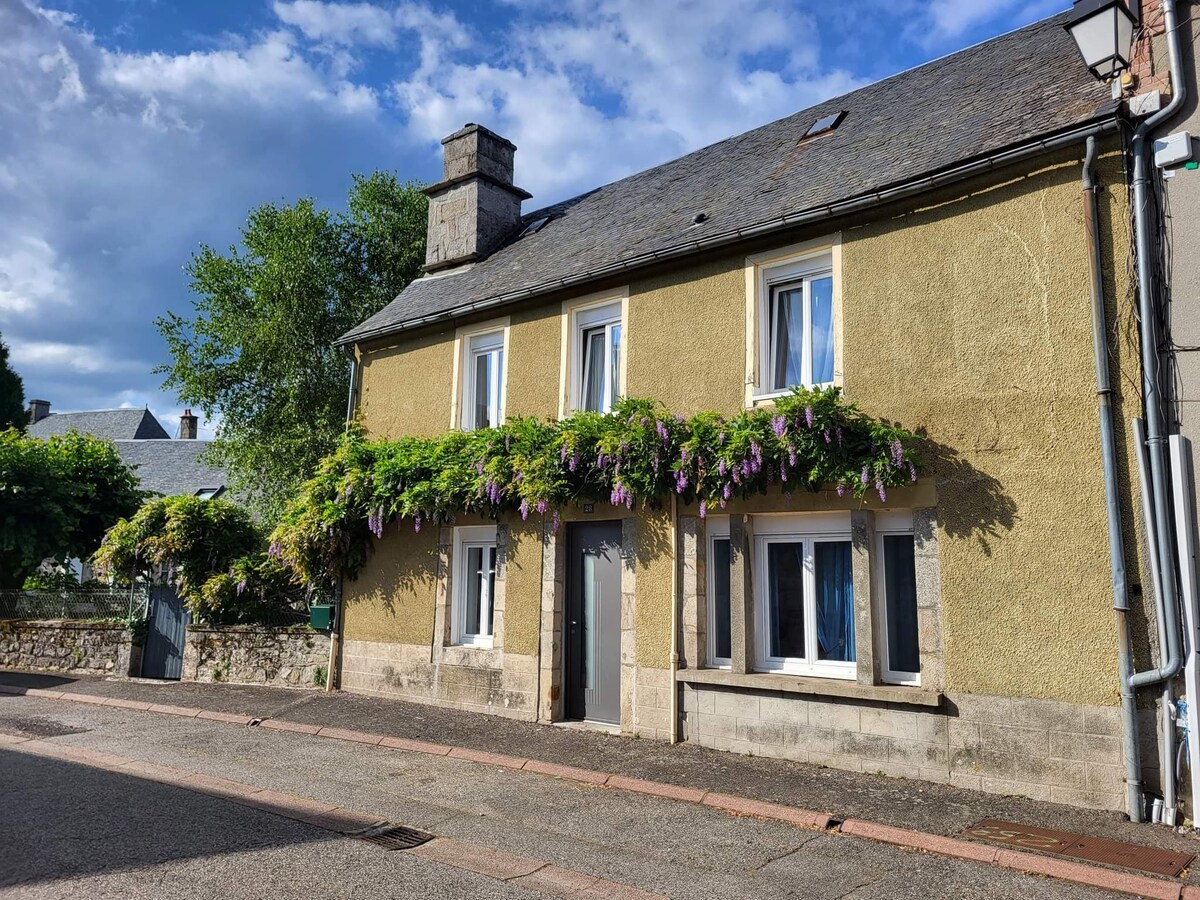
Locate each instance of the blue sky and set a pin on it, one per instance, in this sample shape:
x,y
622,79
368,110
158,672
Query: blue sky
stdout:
x,y
132,131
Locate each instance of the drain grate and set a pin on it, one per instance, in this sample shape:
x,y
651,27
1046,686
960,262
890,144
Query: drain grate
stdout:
x,y
394,837
1081,846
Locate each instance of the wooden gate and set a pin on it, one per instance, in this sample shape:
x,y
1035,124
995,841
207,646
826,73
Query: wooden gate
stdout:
x,y
167,621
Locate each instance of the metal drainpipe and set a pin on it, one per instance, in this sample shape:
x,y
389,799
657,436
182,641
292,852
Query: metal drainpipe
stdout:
x,y
1116,546
674,701
1155,438
1172,655
335,637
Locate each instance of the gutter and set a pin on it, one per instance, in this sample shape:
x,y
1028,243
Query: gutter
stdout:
x,y
1095,128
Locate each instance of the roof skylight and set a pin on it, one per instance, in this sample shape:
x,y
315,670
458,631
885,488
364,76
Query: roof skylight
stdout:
x,y
827,123
534,227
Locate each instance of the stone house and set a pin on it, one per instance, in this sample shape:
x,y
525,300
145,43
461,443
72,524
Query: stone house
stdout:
x,y
921,243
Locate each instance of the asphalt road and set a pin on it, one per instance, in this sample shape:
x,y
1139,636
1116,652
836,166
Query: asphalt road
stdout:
x,y
72,830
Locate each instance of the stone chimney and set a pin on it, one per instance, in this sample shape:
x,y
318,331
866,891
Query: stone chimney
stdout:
x,y
38,410
475,207
189,426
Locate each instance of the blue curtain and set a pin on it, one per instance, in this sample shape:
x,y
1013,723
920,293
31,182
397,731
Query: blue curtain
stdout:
x,y
835,601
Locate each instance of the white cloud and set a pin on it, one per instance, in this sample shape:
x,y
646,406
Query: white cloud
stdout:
x,y
29,275
340,23
81,358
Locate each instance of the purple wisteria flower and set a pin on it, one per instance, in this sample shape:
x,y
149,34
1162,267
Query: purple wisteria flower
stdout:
x,y
542,506
808,416
912,472
662,432
240,586
524,509
778,425
728,491
882,492
417,524
865,477
721,467
841,489
704,510
897,452
828,439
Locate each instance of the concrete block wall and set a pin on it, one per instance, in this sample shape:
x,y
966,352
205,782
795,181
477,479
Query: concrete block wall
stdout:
x,y
1045,750
472,682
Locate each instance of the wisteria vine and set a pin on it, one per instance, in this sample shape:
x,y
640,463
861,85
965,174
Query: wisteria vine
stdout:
x,y
637,454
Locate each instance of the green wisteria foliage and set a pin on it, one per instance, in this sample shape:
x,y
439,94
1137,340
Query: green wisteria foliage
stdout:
x,y
636,455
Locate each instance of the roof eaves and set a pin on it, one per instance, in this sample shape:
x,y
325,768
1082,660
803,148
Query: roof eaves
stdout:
x,y
1104,120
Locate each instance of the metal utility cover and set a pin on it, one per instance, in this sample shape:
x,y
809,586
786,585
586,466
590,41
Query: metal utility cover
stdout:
x,y
1081,846
394,837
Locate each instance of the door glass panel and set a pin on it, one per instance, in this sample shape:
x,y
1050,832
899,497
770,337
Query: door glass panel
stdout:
x,y
901,596
835,600
490,580
821,290
785,591
474,599
592,397
719,573
787,337
588,623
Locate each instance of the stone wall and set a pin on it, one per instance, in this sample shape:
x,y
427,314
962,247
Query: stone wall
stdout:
x,y
1044,749
254,654
80,648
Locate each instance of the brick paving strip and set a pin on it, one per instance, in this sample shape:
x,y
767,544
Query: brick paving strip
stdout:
x,y
1030,863
534,874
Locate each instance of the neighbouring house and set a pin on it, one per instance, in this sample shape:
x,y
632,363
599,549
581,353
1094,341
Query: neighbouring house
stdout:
x,y
164,466
920,243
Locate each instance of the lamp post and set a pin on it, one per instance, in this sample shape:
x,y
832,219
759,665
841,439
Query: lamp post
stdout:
x,y
1103,31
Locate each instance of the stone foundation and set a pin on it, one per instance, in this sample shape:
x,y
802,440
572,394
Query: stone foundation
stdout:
x,y
1041,749
485,681
79,648
253,654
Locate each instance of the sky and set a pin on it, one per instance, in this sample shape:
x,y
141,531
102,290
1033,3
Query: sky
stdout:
x,y
134,131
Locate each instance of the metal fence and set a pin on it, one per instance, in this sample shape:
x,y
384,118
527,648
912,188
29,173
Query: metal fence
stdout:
x,y
83,604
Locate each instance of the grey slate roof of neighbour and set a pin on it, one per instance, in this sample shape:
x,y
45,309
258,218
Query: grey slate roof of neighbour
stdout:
x,y
109,424
171,467
1001,94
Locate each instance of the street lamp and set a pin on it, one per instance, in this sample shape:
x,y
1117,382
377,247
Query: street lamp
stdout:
x,y
1103,29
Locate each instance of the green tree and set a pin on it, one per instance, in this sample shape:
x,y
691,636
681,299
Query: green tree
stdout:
x,y
12,394
258,350
57,499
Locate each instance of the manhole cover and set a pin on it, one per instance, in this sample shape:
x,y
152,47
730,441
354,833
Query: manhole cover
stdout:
x,y
1081,846
394,837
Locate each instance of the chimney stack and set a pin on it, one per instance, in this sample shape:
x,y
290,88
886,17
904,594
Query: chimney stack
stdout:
x,y
189,426
38,410
475,207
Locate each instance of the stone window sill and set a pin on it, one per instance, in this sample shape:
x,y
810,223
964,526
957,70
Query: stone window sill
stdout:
x,y
825,687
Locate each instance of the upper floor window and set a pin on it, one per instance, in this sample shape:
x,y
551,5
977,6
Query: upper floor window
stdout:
x,y
794,322
473,585
483,381
596,351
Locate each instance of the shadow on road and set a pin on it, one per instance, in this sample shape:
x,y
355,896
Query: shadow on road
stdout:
x,y
61,820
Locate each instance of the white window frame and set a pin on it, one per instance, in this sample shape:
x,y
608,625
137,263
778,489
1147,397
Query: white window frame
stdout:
x,y
465,538
890,523
582,315
489,337
806,529
488,343
776,269
718,530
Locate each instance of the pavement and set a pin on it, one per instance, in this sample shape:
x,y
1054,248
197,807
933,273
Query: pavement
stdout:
x,y
678,836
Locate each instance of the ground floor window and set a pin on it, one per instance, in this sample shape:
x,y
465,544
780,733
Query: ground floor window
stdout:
x,y
720,649
473,585
805,595
897,550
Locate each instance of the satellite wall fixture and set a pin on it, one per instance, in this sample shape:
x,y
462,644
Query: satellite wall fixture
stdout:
x,y
1103,31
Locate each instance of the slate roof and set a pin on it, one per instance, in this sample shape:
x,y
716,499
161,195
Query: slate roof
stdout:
x,y
1006,92
171,467
109,424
